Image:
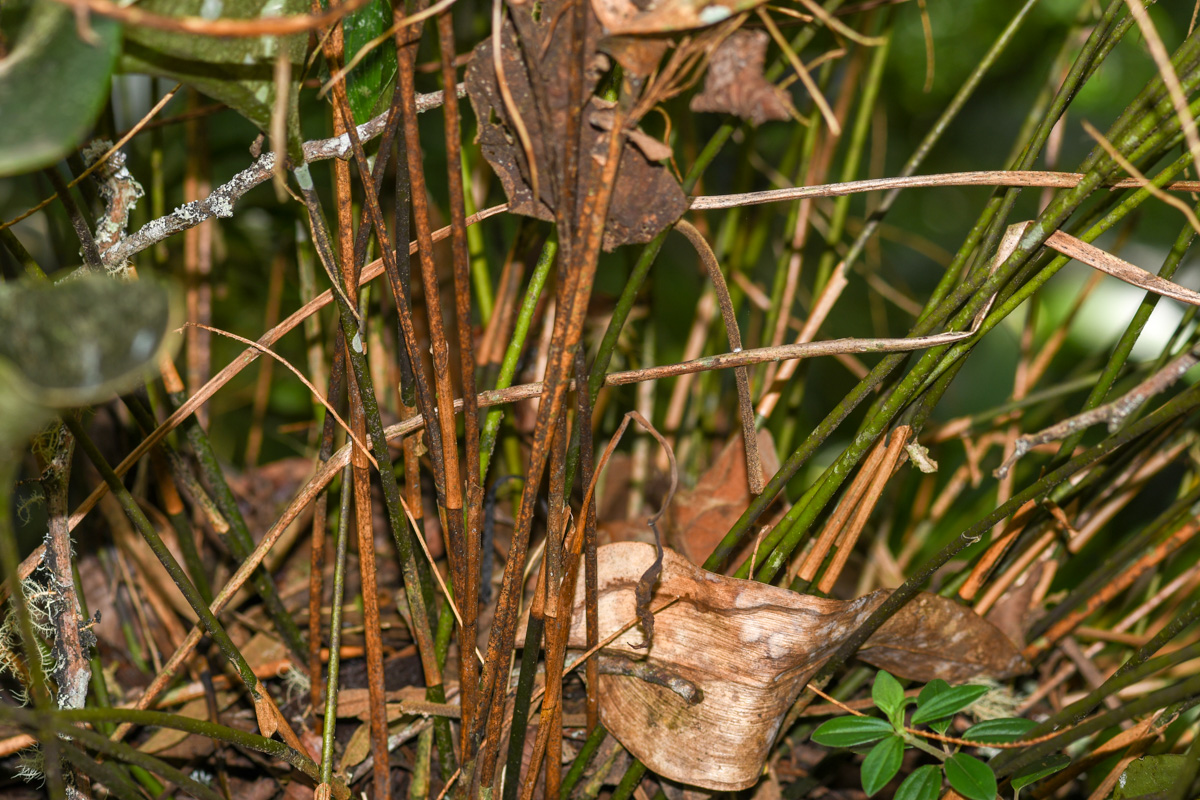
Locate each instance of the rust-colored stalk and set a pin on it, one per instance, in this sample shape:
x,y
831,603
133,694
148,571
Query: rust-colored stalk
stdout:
x,y
591,579
469,589
360,464
574,291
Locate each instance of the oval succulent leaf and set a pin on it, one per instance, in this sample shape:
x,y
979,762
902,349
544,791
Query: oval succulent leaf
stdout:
x,y
52,85
951,701
852,731
882,764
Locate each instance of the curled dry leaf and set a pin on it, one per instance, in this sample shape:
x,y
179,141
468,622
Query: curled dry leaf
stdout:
x,y
735,84
743,651
647,198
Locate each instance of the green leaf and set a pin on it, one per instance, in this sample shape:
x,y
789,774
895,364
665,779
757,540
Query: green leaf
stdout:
x,y
970,777
925,783
998,731
76,342
52,85
888,695
852,731
933,689
376,72
1150,774
882,764
1035,772
239,72
946,703
941,725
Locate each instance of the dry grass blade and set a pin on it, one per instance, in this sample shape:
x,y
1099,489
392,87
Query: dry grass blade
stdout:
x,y
1142,180
814,91
307,384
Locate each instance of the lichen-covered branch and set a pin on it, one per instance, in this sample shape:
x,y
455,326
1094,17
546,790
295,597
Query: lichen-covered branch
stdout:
x,y
222,200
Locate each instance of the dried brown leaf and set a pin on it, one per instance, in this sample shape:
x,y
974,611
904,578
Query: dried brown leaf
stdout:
x,y
647,197
749,648
701,516
734,83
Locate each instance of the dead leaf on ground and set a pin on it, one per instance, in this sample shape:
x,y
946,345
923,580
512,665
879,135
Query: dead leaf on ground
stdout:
x,y
701,516
735,84
749,648
647,198
1015,611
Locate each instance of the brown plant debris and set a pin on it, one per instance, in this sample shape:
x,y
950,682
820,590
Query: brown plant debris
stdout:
x,y
638,17
701,516
647,197
742,651
735,84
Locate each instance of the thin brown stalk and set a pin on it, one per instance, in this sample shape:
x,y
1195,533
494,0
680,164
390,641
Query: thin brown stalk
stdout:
x,y
338,374
837,520
470,538
359,438
444,446
588,516
1113,413
1002,540
1117,585
814,91
574,291
862,511
360,458
262,387
103,159
754,473
1162,60
197,262
266,26
1138,176
1017,178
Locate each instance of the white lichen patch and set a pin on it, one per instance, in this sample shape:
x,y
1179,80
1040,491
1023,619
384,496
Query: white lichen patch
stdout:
x,y
220,206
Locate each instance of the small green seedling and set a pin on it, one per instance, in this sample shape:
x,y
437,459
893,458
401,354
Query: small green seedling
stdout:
x,y
936,706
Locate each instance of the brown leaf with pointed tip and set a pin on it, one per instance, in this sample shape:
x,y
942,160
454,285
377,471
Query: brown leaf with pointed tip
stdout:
x,y
647,198
699,517
749,648
734,83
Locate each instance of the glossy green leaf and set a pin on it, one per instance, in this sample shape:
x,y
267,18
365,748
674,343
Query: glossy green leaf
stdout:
x,y
998,731
368,82
934,688
1149,774
52,85
852,731
882,764
888,695
970,777
1035,772
924,783
946,703
239,72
